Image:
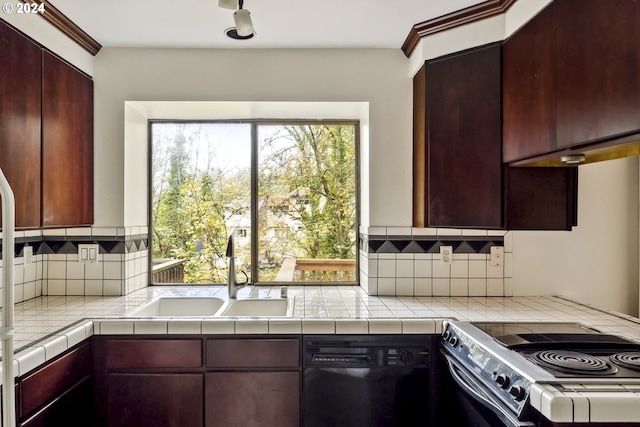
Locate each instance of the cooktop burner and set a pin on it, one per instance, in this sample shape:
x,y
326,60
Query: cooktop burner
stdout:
x,y
630,360
573,362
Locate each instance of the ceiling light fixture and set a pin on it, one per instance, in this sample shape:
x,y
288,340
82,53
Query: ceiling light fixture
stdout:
x,y
242,18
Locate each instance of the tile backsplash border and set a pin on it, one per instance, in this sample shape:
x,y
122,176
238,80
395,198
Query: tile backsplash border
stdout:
x,y
122,265
394,261
405,261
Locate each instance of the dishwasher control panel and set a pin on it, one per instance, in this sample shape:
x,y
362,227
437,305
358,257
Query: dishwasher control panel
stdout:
x,y
367,351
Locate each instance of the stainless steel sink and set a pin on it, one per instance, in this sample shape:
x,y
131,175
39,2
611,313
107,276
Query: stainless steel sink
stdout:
x,y
179,306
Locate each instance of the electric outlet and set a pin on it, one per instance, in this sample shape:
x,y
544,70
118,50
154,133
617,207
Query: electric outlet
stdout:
x,y
446,253
88,253
27,253
497,256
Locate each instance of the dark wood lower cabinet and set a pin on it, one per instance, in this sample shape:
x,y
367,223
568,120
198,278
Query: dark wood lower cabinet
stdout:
x,y
168,400
193,381
252,399
74,408
59,393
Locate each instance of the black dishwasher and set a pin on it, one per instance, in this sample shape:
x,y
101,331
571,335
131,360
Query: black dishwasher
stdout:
x,y
366,380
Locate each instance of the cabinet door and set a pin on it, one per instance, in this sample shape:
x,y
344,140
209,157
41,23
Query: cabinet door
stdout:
x,y
168,400
20,87
49,381
74,408
528,96
67,144
597,51
464,178
252,399
541,198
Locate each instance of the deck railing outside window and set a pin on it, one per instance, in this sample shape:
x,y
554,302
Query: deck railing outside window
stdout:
x,y
168,271
307,270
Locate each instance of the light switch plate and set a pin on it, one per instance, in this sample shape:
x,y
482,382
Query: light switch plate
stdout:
x,y
88,253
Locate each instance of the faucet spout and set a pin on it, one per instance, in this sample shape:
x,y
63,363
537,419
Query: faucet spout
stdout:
x,y
232,284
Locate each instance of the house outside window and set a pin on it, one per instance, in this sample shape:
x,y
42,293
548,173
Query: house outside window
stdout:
x,y
286,190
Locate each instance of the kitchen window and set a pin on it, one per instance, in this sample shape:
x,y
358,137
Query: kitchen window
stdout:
x,y
286,190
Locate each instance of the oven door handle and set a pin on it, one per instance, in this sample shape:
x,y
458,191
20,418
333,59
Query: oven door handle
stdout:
x,y
476,390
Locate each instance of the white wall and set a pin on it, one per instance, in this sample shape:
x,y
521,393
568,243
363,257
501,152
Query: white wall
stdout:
x,y
373,76
597,262
135,167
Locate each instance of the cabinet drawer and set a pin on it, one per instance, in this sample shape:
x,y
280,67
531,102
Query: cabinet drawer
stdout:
x,y
47,382
74,408
143,353
253,353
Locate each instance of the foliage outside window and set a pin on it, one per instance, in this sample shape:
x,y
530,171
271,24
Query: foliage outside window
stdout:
x,y
296,215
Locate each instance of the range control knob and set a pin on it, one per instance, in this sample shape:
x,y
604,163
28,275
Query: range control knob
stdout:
x,y
446,335
454,341
517,392
502,380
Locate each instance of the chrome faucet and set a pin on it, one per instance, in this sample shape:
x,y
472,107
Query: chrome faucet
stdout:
x,y
232,284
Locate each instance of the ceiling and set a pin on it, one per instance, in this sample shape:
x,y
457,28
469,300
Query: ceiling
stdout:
x,y
278,23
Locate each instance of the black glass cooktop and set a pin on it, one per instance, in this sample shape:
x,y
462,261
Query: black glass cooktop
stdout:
x,y
497,329
549,335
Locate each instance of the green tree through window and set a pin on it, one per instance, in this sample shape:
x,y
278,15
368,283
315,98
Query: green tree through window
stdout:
x,y
302,224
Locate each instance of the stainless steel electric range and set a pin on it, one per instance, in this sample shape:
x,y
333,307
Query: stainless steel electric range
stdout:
x,y
495,365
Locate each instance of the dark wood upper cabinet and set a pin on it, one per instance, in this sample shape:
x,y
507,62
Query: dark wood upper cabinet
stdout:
x,y
67,144
597,57
20,87
46,134
463,179
572,78
460,179
528,90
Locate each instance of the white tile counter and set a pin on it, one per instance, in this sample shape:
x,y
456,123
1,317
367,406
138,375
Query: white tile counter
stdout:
x,y
47,326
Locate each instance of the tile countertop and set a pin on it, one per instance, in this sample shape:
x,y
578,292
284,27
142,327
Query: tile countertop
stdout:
x,y
47,326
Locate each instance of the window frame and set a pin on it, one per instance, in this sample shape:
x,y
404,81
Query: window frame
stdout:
x,y
254,125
